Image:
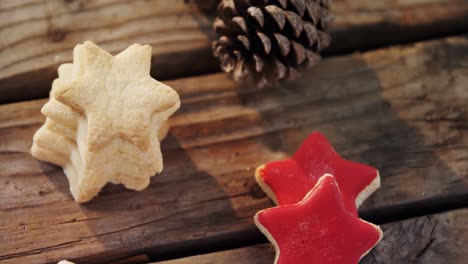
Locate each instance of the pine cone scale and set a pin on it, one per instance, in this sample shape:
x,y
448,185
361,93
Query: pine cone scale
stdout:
x,y
240,23
299,5
265,40
295,21
283,44
258,63
257,14
277,15
299,52
310,33
283,3
245,41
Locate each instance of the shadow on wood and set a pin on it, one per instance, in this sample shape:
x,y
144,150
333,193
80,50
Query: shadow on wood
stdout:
x,y
167,211
399,109
384,119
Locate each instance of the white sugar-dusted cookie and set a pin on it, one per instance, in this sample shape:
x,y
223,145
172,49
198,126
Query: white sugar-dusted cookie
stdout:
x,y
105,119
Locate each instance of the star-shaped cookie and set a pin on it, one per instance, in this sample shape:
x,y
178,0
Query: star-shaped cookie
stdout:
x,y
105,119
318,229
117,94
288,181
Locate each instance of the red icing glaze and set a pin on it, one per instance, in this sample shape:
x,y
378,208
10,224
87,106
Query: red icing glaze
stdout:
x,y
319,229
292,179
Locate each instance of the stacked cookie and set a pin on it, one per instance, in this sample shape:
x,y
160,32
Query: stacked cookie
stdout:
x,y
318,194
105,119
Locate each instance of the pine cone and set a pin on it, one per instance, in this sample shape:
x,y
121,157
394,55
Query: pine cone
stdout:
x,y
267,41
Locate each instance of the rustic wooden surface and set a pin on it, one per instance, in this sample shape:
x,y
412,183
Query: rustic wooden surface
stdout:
x,y
432,239
36,35
401,109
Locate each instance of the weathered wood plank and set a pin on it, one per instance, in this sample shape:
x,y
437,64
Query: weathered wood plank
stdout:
x,y
401,109
36,36
430,239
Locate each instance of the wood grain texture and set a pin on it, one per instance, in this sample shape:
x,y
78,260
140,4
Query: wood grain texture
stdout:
x,y
433,239
401,109
37,36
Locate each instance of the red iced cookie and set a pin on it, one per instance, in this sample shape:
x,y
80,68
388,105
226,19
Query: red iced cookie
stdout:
x,y
288,181
318,229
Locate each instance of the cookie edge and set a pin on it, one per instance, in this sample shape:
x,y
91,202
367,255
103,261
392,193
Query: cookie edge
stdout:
x,y
368,191
265,187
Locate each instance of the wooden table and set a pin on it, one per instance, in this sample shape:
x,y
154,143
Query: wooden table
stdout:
x,y
401,105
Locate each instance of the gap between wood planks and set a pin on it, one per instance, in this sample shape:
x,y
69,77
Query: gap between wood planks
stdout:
x,y
380,216
431,239
38,37
409,102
